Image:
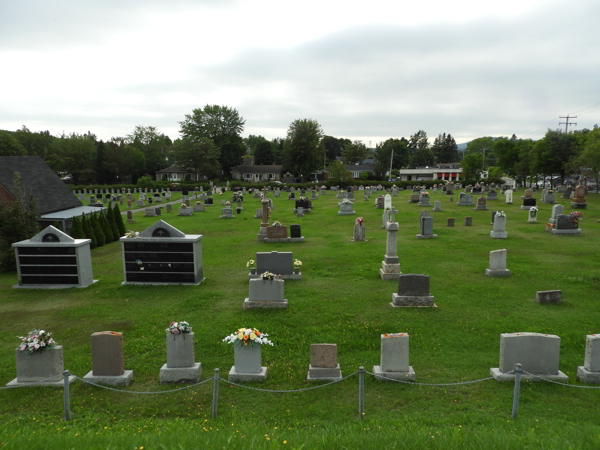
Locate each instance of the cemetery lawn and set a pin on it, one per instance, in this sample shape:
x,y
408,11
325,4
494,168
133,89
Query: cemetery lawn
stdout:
x,y
341,300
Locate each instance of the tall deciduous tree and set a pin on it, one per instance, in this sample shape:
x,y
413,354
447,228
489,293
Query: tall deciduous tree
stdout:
x,y
485,146
472,166
10,146
73,154
199,154
303,147
383,155
154,145
263,152
445,149
124,161
36,144
423,157
337,173
355,152
590,156
418,141
221,124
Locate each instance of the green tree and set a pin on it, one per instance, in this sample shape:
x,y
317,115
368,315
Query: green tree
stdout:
x,y
337,173
119,220
10,146
88,231
73,154
485,146
124,161
383,154
155,146
278,150
523,168
355,152
263,152
199,154
445,149
418,141
18,221
552,154
304,147
423,157
112,223
507,155
106,229
77,229
221,124
590,156
36,144
334,147
100,238
472,166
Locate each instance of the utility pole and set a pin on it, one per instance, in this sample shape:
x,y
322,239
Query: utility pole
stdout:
x,y
567,122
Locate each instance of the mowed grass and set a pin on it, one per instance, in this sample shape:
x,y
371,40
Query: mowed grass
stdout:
x,y
341,300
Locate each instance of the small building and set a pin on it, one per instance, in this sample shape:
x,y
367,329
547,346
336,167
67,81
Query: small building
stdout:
x,y
55,202
248,171
177,173
440,172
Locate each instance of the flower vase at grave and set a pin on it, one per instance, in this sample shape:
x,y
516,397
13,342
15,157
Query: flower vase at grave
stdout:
x,y
296,269
247,358
253,270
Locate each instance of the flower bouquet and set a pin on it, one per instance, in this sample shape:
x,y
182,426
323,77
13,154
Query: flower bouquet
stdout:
x,y
500,214
297,265
576,216
346,201
277,223
36,341
248,336
179,328
132,234
251,264
268,276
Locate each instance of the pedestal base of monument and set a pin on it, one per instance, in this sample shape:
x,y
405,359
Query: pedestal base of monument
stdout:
x,y
150,283
289,239
50,286
227,217
424,301
324,373
497,273
346,213
259,377
587,376
575,205
499,234
380,375
501,376
425,204
508,203
286,276
566,232
110,380
181,374
258,304
426,236
390,268
480,208
57,382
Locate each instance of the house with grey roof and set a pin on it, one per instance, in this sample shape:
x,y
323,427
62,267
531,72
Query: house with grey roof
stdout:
x,y
55,202
248,171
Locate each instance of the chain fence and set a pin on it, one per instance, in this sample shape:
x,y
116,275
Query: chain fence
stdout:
x,y
216,379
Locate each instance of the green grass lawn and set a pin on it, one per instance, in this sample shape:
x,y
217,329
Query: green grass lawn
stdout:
x,y
341,300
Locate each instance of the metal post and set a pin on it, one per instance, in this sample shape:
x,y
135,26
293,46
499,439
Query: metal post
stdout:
x,y
215,391
67,406
361,391
517,391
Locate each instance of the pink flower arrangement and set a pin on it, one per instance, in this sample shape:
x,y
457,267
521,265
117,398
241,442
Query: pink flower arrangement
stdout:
x,y
36,341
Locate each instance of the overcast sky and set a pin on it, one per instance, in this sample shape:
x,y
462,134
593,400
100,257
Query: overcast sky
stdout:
x,y
365,70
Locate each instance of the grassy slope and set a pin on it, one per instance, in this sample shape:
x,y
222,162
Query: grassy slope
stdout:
x,y
340,300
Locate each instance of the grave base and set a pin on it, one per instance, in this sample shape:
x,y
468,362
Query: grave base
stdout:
x,y
287,276
227,217
498,234
527,207
501,376
403,376
57,382
437,210
586,376
126,283
480,208
324,373
181,374
566,232
413,300
289,239
110,380
51,286
425,204
465,204
340,213
508,203
258,304
498,273
426,236
578,205
385,276
259,377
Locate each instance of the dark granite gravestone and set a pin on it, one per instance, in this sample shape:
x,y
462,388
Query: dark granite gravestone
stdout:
x,y
413,284
565,222
529,202
184,193
304,203
295,231
209,201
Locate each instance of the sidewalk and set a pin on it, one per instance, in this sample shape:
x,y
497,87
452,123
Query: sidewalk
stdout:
x,y
174,202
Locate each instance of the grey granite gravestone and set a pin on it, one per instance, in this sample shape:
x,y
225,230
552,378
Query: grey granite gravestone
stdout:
x,y
413,290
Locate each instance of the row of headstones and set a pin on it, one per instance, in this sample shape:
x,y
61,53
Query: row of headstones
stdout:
x,y
538,354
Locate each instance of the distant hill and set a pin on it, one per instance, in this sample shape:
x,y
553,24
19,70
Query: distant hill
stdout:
x,y
462,147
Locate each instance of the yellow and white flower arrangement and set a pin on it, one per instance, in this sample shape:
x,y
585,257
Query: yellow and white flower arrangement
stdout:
x,y
248,336
251,264
297,263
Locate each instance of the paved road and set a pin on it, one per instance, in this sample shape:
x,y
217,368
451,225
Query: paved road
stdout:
x,y
124,213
